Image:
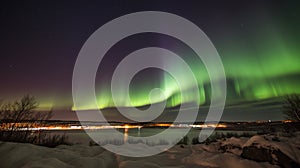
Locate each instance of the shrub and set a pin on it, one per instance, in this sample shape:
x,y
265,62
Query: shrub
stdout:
x,y
18,117
183,141
291,107
195,141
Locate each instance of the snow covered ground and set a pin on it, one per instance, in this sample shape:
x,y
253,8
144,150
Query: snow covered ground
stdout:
x,y
257,151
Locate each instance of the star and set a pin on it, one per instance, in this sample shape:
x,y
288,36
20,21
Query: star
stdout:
x,y
242,25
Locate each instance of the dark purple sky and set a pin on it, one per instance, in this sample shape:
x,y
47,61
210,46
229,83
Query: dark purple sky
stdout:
x,y
40,40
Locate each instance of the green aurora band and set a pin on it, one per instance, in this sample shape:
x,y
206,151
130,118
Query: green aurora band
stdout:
x,y
270,74
258,65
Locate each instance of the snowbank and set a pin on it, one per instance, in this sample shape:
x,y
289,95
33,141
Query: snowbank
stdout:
x,y
257,151
28,155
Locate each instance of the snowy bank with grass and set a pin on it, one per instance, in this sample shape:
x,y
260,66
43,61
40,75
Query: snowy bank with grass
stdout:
x,y
257,151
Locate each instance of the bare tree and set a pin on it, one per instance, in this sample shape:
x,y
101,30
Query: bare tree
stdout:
x,y
19,117
292,107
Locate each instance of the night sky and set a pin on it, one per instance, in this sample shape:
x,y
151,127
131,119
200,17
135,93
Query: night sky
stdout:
x,y
258,42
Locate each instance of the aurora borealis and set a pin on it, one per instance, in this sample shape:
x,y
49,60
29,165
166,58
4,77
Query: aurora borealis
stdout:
x,y
258,43
262,71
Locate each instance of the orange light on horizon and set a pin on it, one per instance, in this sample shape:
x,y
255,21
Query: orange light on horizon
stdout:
x,y
25,126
